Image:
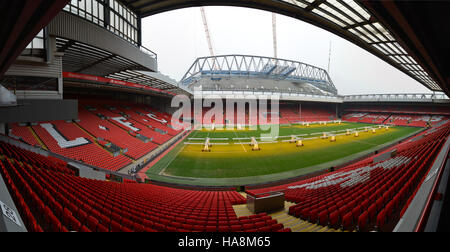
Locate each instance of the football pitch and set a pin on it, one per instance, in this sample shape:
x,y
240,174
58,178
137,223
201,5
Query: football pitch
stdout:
x,y
231,154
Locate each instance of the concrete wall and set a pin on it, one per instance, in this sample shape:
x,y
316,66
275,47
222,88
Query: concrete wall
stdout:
x,y
3,128
40,110
162,104
36,67
7,224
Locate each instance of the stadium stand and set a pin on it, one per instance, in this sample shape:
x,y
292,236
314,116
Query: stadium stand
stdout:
x,y
101,123
52,198
288,114
111,133
400,109
420,116
354,117
24,134
83,148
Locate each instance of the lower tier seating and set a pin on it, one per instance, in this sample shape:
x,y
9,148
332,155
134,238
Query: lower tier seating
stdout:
x,y
58,201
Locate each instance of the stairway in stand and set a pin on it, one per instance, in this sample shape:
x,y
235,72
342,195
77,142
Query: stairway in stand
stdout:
x,y
295,224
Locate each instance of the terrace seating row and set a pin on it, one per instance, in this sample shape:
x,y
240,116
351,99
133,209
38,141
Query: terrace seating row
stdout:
x,y
111,133
54,201
366,194
87,151
137,126
90,129
401,109
146,122
34,159
396,119
24,133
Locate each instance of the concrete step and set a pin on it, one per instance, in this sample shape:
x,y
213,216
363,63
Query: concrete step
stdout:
x,y
289,221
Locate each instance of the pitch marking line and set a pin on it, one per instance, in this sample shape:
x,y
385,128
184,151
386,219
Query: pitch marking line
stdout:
x,y
243,147
163,171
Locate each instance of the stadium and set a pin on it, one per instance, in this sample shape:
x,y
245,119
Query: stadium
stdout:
x,y
93,138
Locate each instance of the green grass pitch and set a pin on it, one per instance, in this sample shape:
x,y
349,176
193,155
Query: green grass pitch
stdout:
x,y
236,159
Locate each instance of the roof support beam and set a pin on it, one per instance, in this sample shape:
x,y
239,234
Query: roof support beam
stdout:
x,y
95,63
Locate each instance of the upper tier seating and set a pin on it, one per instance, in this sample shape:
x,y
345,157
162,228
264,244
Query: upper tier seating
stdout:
x,y
111,133
400,109
413,120
58,201
70,141
87,139
354,117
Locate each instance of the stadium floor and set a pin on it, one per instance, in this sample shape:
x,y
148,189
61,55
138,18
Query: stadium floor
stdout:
x,y
159,171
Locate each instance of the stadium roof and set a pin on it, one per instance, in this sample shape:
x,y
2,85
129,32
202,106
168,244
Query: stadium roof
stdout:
x,y
20,22
258,67
82,58
155,80
407,35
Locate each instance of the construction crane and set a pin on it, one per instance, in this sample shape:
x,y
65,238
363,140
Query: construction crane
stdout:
x,y
329,57
274,31
209,40
208,34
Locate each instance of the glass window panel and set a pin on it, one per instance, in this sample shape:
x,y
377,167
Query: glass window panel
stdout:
x,y
412,60
336,13
123,21
400,48
384,31
394,59
89,6
359,35
81,5
376,32
362,31
38,43
346,11
95,9
399,59
294,2
358,8
74,11
379,48
393,48
101,12
326,16
406,59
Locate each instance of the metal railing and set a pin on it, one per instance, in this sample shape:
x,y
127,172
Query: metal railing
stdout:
x,y
243,93
416,97
148,52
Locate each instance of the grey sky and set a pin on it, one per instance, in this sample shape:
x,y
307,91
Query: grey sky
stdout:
x,y
178,38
